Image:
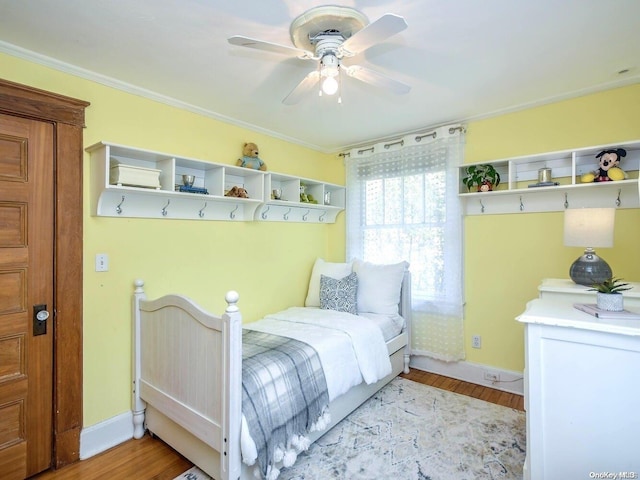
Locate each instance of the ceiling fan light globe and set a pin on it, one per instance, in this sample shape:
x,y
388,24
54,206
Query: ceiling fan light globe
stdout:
x,y
330,85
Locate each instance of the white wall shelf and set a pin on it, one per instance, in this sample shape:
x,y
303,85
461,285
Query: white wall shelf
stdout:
x,y
330,200
112,199
515,196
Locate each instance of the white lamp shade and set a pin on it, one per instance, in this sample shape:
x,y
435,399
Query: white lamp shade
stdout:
x,y
589,227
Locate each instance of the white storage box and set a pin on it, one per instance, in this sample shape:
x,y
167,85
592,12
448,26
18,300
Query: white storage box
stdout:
x,y
134,176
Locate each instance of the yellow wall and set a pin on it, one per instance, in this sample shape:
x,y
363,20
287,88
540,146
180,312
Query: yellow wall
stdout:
x,y
267,263
506,256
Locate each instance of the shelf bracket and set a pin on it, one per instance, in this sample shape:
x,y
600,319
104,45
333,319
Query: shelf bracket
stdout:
x,y
164,209
119,206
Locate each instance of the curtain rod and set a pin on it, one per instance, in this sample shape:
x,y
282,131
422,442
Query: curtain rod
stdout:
x,y
401,142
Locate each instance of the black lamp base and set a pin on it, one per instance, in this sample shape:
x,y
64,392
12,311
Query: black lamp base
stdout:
x,y
589,269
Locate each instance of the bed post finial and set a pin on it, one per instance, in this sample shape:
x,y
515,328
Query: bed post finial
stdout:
x,y
139,283
232,298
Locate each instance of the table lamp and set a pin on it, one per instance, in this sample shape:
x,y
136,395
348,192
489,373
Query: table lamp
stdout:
x,y
589,228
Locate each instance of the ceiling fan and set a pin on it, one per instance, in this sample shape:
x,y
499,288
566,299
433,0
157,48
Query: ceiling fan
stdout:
x,y
327,35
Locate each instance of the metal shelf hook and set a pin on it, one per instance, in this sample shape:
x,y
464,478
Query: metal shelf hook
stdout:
x,y
164,209
119,206
201,212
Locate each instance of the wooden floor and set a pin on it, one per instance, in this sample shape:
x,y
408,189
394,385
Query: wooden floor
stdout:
x,y
151,459
487,394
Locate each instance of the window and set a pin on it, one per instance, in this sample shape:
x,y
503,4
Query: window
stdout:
x,y
402,204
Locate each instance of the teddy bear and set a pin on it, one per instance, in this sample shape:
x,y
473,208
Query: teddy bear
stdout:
x,y
250,158
238,192
608,167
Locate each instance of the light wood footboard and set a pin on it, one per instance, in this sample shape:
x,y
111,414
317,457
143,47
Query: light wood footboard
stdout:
x,y
188,368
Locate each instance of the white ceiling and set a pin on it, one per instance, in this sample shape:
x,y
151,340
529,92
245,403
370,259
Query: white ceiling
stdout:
x,y
464,59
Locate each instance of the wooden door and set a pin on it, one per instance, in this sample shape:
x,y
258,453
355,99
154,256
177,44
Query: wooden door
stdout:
x,y
26,281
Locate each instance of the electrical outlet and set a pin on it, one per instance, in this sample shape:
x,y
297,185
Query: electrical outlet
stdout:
x,y
476,341
492,377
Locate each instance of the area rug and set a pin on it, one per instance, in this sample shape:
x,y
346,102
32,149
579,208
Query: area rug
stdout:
x,y
194,473
411,431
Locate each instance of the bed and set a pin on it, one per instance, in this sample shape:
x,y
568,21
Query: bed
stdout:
x,y
188,365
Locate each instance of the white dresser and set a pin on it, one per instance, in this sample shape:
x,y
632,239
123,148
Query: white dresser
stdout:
x,y
582,387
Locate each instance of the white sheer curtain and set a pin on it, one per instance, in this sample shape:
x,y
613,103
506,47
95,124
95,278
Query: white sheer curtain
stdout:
x,y
402,204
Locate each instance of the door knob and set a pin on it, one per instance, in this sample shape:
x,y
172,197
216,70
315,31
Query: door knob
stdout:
x,y
40,316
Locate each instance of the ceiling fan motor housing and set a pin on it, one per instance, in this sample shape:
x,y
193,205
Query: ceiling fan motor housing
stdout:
x,y
328,44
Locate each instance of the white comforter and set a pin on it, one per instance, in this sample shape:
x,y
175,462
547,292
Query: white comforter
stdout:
x,y
351,349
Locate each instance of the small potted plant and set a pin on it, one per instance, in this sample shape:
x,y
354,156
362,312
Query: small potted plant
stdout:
x,y
484,176
609,295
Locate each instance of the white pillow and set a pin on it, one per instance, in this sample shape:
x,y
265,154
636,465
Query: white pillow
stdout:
x,y
379,286
333,270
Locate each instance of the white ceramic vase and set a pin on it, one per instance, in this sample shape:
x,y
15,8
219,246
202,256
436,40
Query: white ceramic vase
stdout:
x,y
613,302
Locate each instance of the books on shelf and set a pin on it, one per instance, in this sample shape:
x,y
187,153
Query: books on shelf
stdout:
x,y
592,309
188,189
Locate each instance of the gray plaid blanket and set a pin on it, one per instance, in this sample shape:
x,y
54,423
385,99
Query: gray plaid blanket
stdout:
x,y
284,391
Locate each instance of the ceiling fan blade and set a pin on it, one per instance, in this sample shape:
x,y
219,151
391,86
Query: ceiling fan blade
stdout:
x,y
303,88
377,79
242,41
376,32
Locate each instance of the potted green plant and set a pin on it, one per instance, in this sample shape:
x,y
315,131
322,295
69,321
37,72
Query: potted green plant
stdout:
x,y
484,176
609,295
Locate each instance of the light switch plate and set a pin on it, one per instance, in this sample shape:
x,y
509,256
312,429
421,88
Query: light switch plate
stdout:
x,y
102,262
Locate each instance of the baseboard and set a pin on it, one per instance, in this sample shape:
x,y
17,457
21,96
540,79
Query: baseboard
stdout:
x,y
512,382
104,435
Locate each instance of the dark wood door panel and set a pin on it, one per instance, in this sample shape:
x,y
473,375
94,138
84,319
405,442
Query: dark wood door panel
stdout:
x,y
26,279
13,224
13,158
